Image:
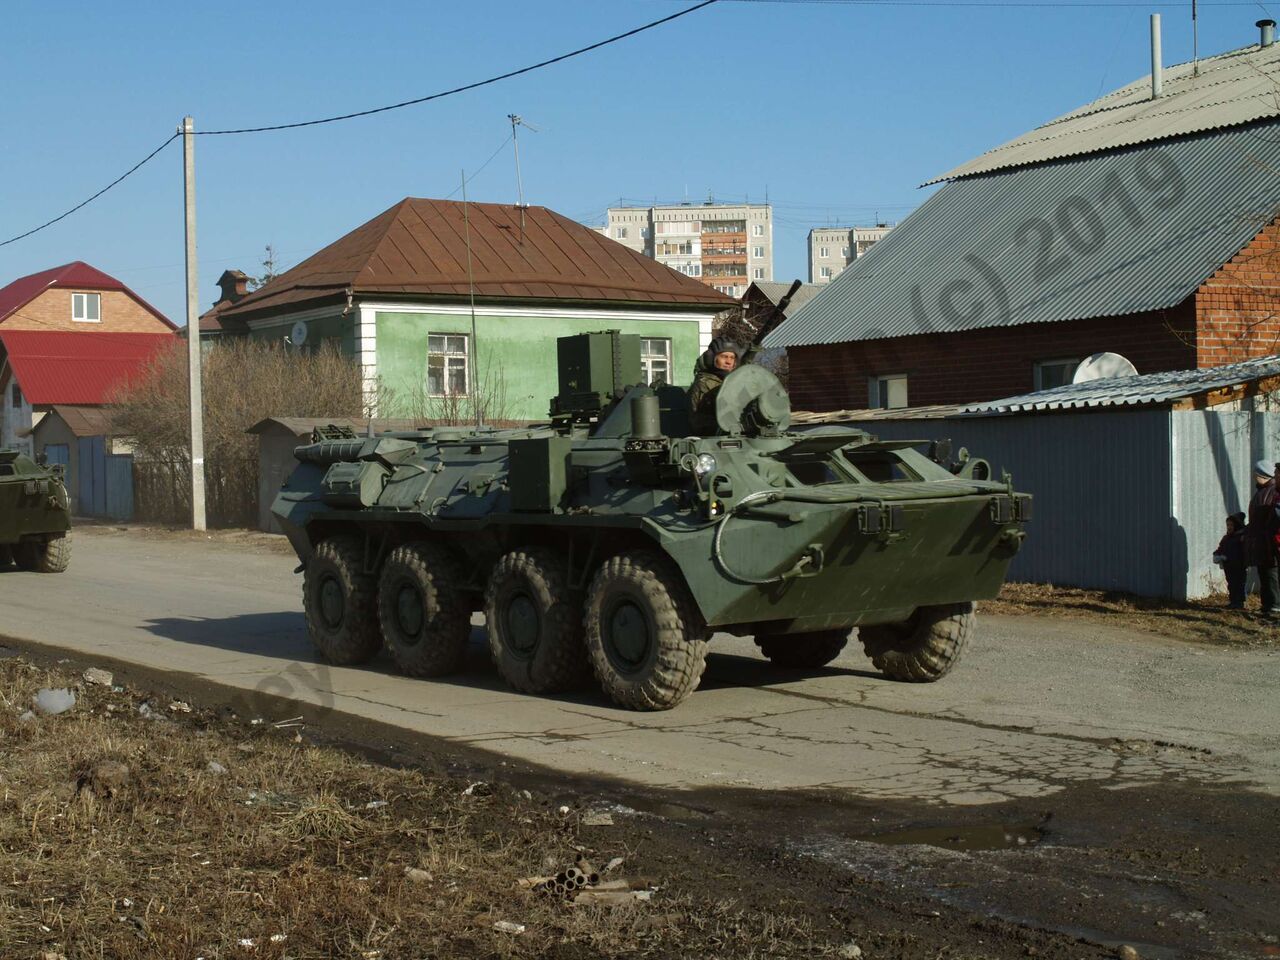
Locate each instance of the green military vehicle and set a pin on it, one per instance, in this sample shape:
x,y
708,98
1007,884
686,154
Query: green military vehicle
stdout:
x,y
35,519
612,542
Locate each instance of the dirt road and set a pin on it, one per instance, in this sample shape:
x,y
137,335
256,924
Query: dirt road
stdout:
x,y
1126,786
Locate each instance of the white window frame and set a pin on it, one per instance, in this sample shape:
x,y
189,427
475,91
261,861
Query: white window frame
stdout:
x,y
758,252
649,357
825,273
619,233
759,273
757,229
449,354
1038,370
880,389
82,301
824,252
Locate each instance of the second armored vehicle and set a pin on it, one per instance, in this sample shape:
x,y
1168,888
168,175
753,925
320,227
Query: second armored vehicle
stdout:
x,y
612,542
35,519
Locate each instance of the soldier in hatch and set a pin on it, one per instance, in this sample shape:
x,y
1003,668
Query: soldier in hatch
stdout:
x,y
719,360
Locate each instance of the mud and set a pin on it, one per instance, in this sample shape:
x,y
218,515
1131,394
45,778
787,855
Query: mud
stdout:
x,y
1172,867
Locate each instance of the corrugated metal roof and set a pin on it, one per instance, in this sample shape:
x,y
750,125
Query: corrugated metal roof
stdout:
x,y
774,291
1151,388
1106,235
418,247
1230,89
78,368
77,275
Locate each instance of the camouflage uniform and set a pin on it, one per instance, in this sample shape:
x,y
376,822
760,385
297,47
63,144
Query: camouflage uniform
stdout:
x,y
707,379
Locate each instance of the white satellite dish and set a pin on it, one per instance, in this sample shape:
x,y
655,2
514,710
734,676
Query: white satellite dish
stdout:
x,y
1103,366
298,335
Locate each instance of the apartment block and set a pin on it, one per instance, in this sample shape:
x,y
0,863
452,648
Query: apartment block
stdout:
x,y
831,249
726,246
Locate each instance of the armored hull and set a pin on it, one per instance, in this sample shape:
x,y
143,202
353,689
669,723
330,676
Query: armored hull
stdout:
x,y
611,542
35,519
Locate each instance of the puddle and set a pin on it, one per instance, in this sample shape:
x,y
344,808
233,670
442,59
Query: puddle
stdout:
x,y
666,809
991,836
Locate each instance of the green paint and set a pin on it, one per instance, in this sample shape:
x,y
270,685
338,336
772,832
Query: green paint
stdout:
x,y
516,362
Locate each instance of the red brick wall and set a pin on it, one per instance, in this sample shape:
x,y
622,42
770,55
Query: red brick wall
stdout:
x,y
984,364
1238,308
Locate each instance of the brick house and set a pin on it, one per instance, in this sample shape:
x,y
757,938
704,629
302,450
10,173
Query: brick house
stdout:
x,y
1134,225
67,335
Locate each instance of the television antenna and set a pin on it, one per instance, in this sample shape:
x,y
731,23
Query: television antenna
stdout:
x,y
519,121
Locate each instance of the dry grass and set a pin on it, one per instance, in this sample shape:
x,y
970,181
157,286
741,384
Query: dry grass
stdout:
x,y
1204,621
307,845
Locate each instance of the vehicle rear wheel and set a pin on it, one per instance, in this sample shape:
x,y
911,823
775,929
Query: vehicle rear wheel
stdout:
x,y
535,622
803,650
44,556
923,648
425,619
338,602
644,633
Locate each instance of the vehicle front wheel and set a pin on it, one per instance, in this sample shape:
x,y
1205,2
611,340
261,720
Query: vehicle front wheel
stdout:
x,y
338,602
923,648
535,622
44,556
645,636
803,650
423,611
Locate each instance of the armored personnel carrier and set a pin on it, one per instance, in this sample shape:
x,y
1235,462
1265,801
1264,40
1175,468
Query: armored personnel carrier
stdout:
x,y
612,542
35,519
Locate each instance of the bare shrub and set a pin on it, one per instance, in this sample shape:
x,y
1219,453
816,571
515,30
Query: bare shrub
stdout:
x,y
244,381
486,402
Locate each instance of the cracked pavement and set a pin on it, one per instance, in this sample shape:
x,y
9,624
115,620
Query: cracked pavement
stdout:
x,y
1036,706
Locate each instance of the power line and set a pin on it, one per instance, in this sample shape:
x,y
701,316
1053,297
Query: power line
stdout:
x,y
470,86
481,168
132,170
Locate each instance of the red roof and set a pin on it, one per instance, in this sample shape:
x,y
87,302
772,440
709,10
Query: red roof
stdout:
x,y
77,368
419,248
77,274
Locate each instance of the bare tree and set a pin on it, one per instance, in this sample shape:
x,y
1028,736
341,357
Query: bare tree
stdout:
x,y
244,381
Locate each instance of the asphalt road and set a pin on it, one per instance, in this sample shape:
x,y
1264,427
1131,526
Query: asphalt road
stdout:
x,y
1037,705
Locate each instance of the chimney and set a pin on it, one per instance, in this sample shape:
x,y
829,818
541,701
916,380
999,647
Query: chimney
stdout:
x,y
1157,64
1268,28
234,285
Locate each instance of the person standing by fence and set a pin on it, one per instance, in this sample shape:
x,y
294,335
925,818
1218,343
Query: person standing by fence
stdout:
x,y
1260,534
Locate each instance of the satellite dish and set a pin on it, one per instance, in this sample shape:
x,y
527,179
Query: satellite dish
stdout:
x,y
1103,366
298,335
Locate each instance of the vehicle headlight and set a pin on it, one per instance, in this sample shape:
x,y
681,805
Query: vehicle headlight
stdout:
x,y
704,465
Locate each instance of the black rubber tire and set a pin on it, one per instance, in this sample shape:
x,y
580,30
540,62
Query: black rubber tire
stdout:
x,y
555,658
924,648
335,576
421,581
803,650
645,590
44,556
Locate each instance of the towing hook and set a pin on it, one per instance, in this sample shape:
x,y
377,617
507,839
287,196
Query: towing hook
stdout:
x,y
808,564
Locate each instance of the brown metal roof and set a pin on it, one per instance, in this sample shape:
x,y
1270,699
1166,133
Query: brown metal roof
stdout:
x,y
418,247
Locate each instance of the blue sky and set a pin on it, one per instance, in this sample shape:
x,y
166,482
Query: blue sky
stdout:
x,y
838,110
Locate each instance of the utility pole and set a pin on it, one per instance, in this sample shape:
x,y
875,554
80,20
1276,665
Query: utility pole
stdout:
x,y
518,121
188,131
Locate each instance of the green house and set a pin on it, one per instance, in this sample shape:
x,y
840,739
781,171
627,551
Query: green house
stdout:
x,y
449,307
